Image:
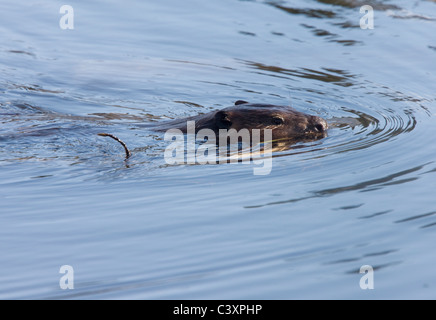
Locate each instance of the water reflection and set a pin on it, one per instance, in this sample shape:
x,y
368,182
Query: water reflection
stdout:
x,y
419,216
376,267
332,37
311,13
377,214
329,75
369,185
404,14
324,13
86,289
377,5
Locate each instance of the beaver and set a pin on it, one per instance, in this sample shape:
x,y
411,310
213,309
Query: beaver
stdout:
x,y
285,122
288,126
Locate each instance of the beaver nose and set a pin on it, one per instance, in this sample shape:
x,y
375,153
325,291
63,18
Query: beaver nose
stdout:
x,y
319,124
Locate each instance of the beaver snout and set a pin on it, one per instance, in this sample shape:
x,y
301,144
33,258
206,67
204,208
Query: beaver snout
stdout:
x,y
317,125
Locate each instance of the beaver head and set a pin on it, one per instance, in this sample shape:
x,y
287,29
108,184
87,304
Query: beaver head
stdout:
x,y
285,122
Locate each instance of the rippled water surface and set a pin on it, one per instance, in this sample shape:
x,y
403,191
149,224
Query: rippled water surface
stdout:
x,y
143,229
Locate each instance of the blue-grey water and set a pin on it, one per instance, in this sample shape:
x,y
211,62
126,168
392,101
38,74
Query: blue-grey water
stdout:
x,y
142,229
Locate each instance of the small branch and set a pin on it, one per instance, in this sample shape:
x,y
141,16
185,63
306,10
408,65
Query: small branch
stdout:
x,y
128,153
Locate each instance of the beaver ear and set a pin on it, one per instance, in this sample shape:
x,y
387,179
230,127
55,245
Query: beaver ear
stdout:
x,y
237,103
222,120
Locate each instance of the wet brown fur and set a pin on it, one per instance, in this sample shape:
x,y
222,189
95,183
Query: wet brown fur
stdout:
x,y
285,122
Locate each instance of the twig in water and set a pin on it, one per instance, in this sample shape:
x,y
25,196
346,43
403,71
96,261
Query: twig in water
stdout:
x,y
128,153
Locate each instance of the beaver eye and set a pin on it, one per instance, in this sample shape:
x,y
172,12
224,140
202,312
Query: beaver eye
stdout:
x,y
277,121
319,128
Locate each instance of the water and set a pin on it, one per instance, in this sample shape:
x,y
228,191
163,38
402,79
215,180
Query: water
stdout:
x,y
145,230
